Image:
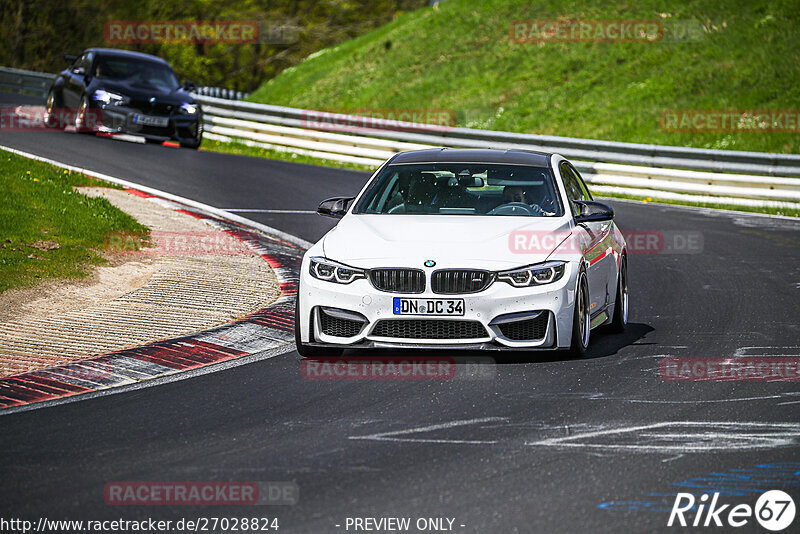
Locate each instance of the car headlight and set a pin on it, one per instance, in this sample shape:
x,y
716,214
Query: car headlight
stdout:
x,y
107,98
331,271
534,275
188,108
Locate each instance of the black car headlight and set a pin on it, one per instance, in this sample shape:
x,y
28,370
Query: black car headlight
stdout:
x,y
108,98
188,108
534,275
331,271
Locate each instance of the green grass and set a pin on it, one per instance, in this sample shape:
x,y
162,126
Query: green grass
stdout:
x,y
39,205
241,149
459,57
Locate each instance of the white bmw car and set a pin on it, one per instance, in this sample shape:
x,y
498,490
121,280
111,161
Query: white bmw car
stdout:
x,y
464,249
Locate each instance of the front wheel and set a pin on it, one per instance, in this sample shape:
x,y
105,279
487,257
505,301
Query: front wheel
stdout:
x,y
620,318
83,124
51,111
308,351
581,322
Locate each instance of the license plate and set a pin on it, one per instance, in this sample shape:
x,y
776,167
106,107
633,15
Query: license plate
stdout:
x,y
404,306
149,120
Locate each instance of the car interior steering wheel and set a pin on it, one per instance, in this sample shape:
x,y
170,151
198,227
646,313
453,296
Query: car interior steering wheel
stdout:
x,y
512,208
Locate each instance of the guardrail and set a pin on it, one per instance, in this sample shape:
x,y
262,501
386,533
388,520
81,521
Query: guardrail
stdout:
x,y
25,82
700,175
221,92
583,149
750,178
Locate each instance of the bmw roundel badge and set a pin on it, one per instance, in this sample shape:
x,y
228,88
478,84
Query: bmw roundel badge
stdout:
x,y
430,263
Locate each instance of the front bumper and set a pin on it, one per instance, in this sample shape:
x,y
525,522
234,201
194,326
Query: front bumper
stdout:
x,y
491,314
180,128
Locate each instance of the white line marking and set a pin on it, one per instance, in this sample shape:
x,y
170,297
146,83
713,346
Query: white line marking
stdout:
x,y
390,436
245,210
748,351
737,439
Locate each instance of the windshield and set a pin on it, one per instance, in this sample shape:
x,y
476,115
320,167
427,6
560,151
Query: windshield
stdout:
x,y
136,71
462,189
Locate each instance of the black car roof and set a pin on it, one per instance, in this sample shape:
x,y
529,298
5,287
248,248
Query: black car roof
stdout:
x,y
127,53
473,155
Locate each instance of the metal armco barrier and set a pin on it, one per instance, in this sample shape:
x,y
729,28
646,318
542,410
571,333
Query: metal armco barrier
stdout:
x,y
25,82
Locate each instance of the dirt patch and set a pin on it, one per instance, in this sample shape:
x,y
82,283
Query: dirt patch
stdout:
x,y
123,274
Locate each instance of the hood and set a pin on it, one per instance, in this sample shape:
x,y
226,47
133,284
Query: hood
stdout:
x,y
449,240
137,91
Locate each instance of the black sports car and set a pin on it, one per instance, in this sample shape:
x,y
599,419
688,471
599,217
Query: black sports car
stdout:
x,y
129,92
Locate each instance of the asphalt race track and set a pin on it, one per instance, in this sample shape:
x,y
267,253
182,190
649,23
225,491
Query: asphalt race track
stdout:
x,y
526,444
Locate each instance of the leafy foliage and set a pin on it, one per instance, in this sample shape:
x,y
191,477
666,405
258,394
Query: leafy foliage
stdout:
x,y
35,33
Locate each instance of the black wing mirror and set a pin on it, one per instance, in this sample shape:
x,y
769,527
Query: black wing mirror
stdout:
x,y
80,71
593,212
334,207
189,86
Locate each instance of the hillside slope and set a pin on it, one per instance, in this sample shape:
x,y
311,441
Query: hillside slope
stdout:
x,y
459,56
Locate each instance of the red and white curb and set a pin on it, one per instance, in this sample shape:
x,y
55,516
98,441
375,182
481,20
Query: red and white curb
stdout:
x,y
268,329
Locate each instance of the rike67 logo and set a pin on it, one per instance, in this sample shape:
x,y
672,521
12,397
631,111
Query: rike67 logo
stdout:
x,y
774,511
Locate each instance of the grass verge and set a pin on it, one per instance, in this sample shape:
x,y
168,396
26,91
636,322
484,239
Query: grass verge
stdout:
x,y
47,229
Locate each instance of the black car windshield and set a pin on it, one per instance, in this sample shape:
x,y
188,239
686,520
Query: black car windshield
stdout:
x,y
135,71
463,189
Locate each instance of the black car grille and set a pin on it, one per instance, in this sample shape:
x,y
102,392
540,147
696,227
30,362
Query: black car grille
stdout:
x,y
456,281
398,280
528,329
156,108
338,327
429,329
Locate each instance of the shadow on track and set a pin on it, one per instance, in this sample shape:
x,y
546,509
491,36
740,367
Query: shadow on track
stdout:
x,y
603,344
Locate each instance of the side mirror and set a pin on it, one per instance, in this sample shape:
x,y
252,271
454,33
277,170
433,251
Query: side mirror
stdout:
x,y
70,58
334,207
593,212
80,71
189,86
